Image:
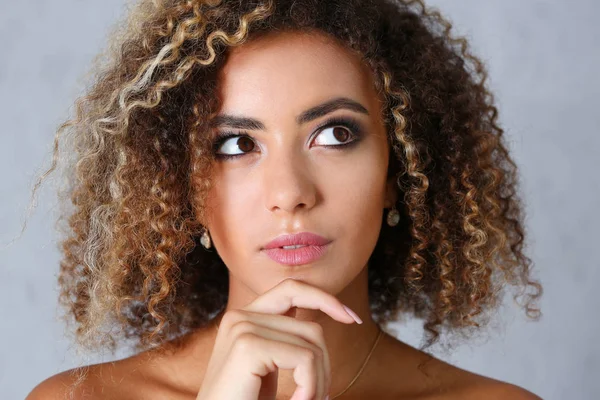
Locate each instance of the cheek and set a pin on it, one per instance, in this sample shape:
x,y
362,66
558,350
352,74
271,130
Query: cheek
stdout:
x,y
357,197
357,186
233,205
360,199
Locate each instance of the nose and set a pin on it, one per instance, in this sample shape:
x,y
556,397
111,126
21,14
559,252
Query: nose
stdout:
x,y
288,183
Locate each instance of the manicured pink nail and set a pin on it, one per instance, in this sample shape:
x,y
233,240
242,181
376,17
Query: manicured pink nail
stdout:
x,y
353,315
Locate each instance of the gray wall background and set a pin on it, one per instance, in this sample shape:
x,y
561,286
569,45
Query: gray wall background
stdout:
x,y
543,59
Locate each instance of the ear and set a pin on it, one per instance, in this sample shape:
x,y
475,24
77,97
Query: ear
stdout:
x,y
391,193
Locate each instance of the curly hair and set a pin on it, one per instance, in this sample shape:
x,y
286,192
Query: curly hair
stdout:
x,y
140,165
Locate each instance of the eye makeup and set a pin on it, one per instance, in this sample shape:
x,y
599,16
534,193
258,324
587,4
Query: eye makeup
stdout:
x,y
351,124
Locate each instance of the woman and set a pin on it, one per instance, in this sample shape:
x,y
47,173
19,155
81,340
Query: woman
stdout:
x,y
259,185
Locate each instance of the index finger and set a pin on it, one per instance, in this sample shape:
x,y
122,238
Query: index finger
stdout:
x,y
294,293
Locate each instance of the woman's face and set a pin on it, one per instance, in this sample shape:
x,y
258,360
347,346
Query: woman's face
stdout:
x,y
289,176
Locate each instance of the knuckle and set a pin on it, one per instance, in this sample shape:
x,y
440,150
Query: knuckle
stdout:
x,y
318,352
291,283
245,342
241,327
308,356
315,329
231,317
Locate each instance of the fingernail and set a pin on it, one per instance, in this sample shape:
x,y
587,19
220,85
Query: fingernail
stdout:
x,y
327,397
353,315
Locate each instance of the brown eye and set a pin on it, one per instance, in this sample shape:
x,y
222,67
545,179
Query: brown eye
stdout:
x,y
339,133
234,144
245,144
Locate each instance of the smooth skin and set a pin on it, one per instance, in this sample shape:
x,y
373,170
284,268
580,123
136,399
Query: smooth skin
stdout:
x,y
252,347
283,327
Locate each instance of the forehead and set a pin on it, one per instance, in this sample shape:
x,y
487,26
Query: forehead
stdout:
x,y
291,71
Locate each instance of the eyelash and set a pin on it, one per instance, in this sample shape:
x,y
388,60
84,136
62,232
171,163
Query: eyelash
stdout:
x,y
351,124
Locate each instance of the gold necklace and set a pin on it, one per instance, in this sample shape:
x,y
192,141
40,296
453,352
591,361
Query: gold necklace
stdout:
x,y
364,364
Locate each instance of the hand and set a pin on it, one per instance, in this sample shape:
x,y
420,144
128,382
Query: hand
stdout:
x,y
254,342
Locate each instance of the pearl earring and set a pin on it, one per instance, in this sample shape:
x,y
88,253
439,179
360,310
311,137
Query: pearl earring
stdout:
x,y
393,217
205,239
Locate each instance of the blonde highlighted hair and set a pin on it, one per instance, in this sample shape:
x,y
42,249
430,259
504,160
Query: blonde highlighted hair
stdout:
x,y
139,165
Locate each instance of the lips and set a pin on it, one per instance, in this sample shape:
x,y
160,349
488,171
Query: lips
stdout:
x,y
302,238
312,248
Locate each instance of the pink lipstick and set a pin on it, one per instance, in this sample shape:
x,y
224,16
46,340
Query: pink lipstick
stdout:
x,y
298,249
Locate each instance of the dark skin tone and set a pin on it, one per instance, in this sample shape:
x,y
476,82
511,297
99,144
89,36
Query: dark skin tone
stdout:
x,y
313,188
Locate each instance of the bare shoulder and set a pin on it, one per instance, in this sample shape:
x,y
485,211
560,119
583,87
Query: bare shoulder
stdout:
x,y
163,372
497,390
425,377
454,383
125,379
71,384
459,384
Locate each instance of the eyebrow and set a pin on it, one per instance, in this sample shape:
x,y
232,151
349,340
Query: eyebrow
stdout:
x,y
311,114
